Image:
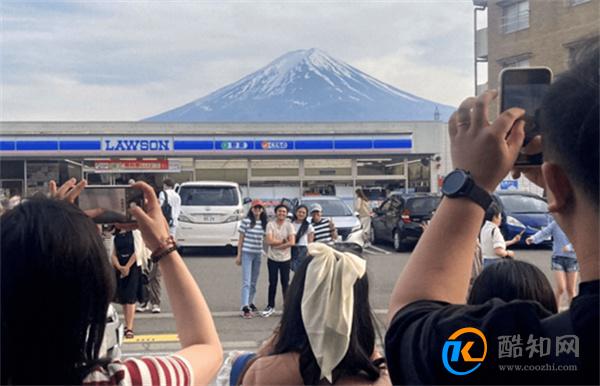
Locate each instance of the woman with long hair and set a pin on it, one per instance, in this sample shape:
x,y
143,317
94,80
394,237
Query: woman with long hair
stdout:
x,y
363,209
305,234
52,252
249,252
327,331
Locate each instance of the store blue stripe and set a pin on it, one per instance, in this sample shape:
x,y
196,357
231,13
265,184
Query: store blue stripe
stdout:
x,y
313,145
193,145
354,144
80,145
7,145
392,143
37,145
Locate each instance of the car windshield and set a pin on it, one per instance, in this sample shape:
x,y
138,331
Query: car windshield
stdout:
x,y
331,208
523,204
375,194
209,195
423,204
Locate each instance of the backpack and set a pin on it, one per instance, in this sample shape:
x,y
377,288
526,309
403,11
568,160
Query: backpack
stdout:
x,y
167,210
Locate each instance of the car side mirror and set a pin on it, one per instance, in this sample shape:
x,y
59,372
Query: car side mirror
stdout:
x,y
247,200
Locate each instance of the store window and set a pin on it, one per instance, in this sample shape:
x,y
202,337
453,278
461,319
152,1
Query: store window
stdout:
x,y
515,17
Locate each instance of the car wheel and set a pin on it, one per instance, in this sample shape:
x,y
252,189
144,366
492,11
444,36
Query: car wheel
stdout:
x,y
399,246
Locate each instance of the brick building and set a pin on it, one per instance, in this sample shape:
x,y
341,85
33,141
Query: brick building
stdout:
x,y
523,33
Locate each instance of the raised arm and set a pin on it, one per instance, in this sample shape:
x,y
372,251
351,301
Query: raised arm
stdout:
x,y
440,266
195,327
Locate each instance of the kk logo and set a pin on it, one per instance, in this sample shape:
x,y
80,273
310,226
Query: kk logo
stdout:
x,y
456,352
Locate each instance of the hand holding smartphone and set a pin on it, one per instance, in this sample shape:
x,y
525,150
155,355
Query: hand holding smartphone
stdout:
x,y
525,88
110,203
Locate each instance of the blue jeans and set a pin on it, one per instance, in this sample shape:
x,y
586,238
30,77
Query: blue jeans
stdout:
x,y
250,271
488,261
299,254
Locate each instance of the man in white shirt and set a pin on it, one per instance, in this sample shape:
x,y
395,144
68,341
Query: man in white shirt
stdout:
x,y
174,200
493,245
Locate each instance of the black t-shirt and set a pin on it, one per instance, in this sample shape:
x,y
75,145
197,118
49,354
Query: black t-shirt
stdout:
x,y
420,348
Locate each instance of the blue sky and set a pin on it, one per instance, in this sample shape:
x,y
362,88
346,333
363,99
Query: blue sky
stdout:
x,y
126,60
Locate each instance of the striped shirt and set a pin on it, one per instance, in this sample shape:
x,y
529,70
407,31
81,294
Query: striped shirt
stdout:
x,y
322,231
253,237
171,370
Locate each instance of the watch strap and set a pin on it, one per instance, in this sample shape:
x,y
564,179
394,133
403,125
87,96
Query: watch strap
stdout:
x,y
479,195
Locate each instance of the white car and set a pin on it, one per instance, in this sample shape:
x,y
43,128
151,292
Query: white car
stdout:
x,y
210,214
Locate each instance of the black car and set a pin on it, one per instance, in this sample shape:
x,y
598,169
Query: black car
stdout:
x,y
400,218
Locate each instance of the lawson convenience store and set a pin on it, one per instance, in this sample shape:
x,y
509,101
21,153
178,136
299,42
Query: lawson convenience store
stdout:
x,y
266,159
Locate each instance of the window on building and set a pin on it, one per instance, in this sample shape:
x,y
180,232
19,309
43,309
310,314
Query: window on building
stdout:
x,y
573,3
515,17
515,61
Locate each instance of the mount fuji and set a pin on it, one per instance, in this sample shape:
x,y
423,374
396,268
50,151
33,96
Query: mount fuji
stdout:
x,y
307,86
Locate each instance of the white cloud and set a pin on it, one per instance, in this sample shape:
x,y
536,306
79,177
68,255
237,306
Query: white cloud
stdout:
x,y
129,60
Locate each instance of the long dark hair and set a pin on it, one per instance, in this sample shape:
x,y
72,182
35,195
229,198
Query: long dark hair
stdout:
x,y
292,335
511,280
57,284
361,194
263,219
305,224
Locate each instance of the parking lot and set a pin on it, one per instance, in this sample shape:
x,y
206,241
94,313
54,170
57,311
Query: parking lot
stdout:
x,y
219,279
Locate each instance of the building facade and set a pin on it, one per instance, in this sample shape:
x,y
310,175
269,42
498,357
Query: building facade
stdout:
x,y
527,33
268,160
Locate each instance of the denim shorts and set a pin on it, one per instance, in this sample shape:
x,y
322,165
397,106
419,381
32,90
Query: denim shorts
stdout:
x,y
566,264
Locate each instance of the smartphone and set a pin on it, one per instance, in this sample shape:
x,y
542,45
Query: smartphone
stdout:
x,y
113,202
525,88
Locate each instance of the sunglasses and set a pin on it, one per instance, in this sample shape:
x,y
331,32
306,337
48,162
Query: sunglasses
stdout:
x,y
258,207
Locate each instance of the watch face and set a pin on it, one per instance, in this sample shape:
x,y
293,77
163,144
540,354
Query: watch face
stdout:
x,y
454,182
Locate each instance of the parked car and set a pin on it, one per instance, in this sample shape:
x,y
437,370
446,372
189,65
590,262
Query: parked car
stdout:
x,y
522,211
376,195
401,216
346,221
210,213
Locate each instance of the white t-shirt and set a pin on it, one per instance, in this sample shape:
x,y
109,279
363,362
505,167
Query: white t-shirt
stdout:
x,y
304,239
491,238
280,232
174,201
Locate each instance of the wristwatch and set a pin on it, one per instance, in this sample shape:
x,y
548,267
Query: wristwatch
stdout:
x,y
459,183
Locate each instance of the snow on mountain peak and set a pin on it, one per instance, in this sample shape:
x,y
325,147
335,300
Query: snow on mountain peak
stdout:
x,y
305,85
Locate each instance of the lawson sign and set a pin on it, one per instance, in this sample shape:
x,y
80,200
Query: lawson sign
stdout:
x,y
129,144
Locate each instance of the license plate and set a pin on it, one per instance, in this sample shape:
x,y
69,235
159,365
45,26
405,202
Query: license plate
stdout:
x,y
209,218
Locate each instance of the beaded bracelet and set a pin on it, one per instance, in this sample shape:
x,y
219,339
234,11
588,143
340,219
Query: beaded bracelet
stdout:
x,y
167,246
156,257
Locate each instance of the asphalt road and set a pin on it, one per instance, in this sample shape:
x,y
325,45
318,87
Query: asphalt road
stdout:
x,y
219,278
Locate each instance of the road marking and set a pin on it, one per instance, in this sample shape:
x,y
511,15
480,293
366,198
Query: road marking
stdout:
x,y
153,338
217,314
380,250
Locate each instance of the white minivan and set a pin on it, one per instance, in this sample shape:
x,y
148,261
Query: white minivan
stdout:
x,y
210,213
